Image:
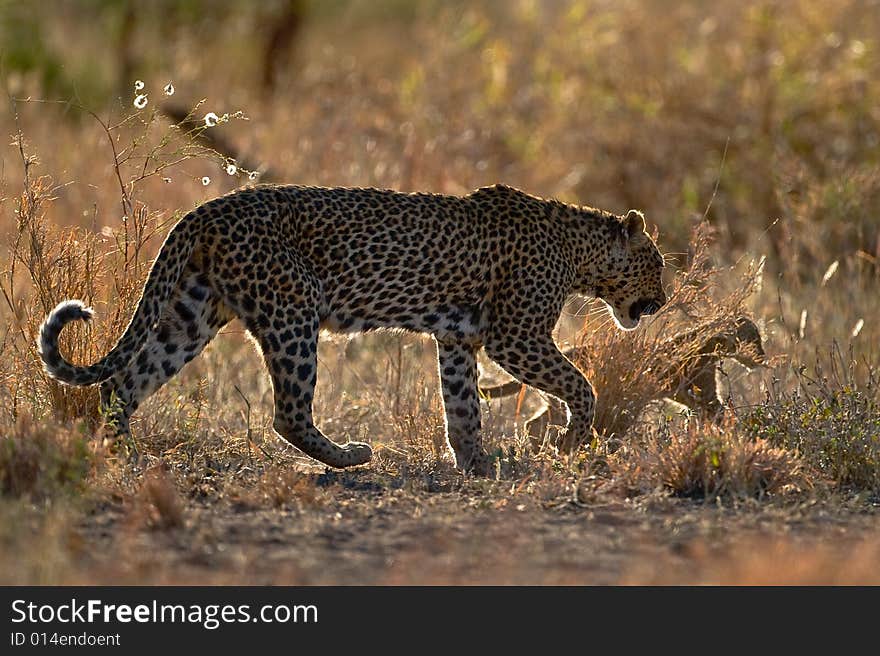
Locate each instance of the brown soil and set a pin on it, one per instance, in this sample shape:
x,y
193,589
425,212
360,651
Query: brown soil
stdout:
x,y
366,528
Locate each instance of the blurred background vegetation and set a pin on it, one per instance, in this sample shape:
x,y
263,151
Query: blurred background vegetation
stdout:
x,y
761,116
616,104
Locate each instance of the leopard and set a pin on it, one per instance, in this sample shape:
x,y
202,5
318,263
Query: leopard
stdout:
x,y
691,381
489,270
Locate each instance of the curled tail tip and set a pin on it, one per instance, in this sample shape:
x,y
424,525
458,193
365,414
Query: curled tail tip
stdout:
x,y
70,310
62,314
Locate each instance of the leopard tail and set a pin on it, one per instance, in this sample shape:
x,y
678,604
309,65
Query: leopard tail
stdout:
x,y
163,278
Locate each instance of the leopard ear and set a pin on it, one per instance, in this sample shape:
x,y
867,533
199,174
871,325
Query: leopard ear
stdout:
x,y
635,224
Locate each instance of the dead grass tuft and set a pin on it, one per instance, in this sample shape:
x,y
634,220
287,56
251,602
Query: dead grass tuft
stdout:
x,y
631,369
40,460
158,505
706,461
278,486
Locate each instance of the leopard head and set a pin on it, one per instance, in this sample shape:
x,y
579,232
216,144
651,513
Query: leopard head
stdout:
x,y
631,282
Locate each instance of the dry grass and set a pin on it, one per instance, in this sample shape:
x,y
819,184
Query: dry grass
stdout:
x,y
749,138
157,504
277,487
40,460
631,369
706,461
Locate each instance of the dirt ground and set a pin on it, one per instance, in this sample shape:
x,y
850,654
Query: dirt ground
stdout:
x,y
365,528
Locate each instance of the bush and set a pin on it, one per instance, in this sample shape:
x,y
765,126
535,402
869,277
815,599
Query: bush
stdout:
x,y
709,461
832,421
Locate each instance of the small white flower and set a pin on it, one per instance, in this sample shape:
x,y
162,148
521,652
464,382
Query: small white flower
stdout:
x,y
231,168
138,85
211,119
169,89
166,180
140,101
206,181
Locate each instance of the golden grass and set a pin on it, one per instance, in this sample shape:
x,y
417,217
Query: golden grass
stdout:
x,y
749,138
631,369
158,504
706,461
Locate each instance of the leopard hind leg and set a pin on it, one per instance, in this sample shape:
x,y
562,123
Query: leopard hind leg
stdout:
x,y
283,319
190,321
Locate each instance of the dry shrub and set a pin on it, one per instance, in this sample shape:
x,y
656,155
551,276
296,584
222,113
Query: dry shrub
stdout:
x,y
60,263
631,369
42,460
47,264
709,461
158,504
